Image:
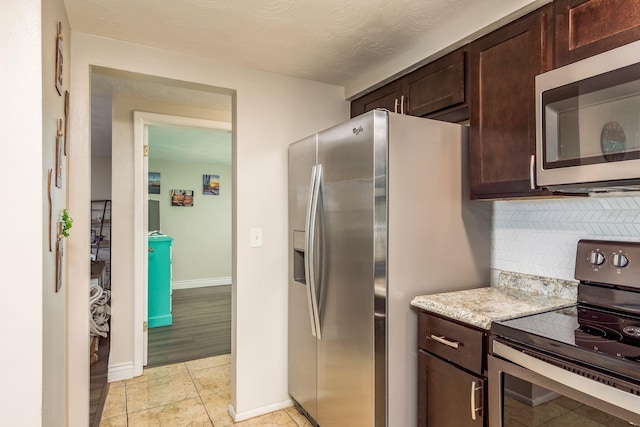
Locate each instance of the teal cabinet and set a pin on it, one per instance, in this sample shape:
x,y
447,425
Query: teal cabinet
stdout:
x,y
159,287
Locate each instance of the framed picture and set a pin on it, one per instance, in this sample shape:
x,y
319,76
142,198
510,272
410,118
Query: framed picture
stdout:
x,y
211,185
59,59
181,197
59,154
59,258
154,182
66,121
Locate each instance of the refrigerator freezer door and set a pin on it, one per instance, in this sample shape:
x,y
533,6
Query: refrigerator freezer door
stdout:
x,y
302,364
346,353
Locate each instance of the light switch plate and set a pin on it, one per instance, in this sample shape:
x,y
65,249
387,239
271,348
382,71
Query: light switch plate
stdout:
x,y
256,237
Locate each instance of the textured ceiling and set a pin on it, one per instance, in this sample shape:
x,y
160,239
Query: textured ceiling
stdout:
x,y
325,40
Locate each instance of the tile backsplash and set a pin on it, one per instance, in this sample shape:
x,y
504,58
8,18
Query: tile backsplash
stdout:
x,y
540,236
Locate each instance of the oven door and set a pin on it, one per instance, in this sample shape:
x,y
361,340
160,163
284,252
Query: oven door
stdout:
x,y
524,390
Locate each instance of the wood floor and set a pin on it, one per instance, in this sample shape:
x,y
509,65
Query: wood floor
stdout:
x,y
201,327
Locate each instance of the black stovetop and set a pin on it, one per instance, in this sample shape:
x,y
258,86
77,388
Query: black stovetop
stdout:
x,y
599,339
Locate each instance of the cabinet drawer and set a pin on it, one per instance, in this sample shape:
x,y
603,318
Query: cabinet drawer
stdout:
x,y
456,343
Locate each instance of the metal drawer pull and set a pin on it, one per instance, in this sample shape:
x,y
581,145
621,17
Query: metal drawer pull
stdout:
x,y
473,400
443,340
395,105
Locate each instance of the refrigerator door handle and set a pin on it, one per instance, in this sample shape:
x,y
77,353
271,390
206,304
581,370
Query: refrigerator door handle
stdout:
x,y
308,243
311,249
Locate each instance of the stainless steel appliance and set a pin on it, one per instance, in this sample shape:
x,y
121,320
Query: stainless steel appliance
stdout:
x,y
588,354
588,123
378,213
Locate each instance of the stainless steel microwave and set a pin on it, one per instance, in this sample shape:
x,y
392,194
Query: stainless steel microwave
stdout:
x,y
588,123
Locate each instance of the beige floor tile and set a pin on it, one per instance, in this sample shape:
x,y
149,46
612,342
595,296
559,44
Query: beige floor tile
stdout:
x,y
116,402
217,406
600,417
159,372
565,402
571,419
300,419
160,391
212,380
279,419
209,362
119,421
535,415
185,413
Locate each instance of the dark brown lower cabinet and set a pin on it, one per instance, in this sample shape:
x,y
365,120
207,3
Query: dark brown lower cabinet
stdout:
x,y
448,396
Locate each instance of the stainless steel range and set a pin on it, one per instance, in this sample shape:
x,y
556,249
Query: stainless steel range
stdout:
x,y
588,356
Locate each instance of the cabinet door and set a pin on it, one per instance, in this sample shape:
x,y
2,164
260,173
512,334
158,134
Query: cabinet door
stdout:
x,y
447,395
388,97
585,28
503,68
438,85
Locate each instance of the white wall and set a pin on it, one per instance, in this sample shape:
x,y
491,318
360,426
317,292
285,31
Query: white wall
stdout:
x,y
201,250
32,314
54,364
540,236
21,318
100,177
271,111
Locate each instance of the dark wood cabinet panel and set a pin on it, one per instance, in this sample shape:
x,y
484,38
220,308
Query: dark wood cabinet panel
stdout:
x,y
388,97
503,66
447,395
456,343
437,90
438,85
584,28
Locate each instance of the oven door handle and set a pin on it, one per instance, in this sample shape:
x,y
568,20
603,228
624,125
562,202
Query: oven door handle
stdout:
x,y
602,392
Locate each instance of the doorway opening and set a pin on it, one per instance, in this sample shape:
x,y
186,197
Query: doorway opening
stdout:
x,y
119,174
189,193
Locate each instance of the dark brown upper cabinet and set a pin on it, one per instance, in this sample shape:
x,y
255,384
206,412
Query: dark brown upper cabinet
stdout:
x,y
584,28
437,90
503,66
388,97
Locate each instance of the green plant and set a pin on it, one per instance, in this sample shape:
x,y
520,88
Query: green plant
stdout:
x,y
67,223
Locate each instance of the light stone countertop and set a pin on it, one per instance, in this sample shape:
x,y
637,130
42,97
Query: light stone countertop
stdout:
x,y
515,295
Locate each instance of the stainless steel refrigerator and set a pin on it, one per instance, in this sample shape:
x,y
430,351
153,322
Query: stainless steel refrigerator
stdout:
x,y
378,213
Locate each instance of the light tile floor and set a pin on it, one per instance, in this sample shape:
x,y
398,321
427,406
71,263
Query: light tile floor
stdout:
x,y
559,412
195,393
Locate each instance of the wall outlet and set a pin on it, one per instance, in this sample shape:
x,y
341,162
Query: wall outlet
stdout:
x,y
256,237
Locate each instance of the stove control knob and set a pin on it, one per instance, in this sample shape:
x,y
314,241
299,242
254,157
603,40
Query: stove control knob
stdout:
x,y
619,260
596,258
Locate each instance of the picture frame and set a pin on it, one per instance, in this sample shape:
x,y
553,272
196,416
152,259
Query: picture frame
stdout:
x,y
182,198
154,182
59,59
59,154
66,121
211,185
59,256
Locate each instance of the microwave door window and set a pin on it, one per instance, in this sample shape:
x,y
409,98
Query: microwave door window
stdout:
x,y
593,120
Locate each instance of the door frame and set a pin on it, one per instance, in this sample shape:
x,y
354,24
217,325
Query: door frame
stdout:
x,y
141,120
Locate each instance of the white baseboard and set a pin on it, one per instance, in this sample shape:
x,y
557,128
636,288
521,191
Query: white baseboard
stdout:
x,y
259,411
120,371
200,283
